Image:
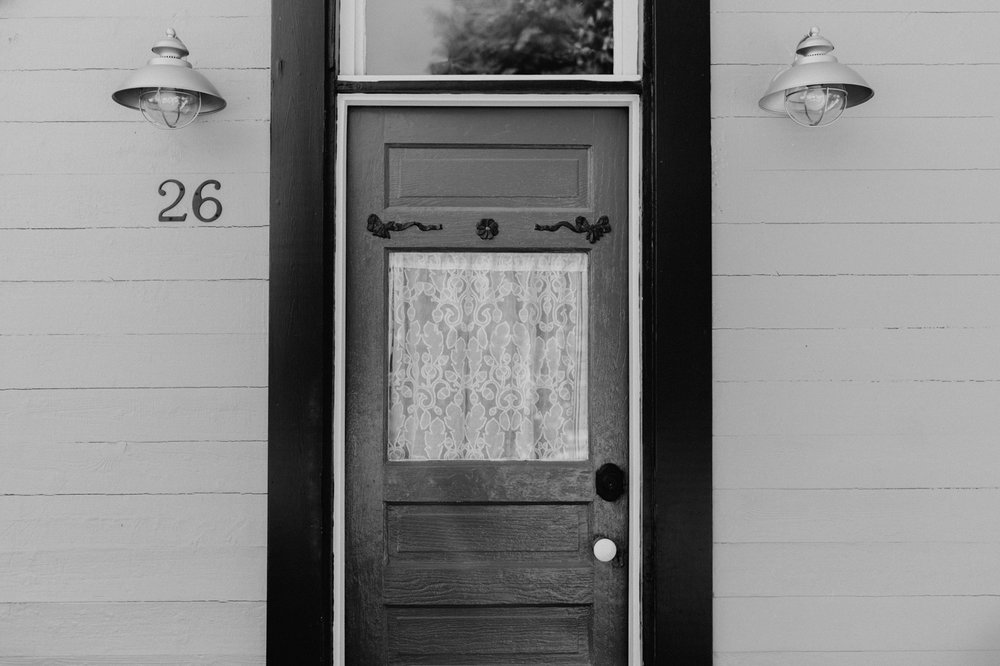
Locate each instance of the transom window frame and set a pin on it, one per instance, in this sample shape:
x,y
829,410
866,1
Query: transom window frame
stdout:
x,y
627,35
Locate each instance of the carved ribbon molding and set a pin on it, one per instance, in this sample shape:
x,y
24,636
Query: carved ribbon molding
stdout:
x,y
382,229
581,226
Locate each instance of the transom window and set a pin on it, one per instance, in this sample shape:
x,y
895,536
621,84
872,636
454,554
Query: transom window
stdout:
x,y
392,39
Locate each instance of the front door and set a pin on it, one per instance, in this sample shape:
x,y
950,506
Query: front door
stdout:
x,y
486,372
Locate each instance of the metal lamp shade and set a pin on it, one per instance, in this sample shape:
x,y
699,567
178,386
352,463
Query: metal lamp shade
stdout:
x,y
169,70
825,72
171,75
814,67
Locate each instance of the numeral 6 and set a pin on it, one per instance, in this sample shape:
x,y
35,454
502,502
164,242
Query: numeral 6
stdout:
x,y
197,201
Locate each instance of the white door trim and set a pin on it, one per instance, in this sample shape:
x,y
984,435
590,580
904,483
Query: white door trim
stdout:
x,y
631,102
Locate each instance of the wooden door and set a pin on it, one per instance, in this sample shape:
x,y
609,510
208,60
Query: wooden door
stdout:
x,y
471,510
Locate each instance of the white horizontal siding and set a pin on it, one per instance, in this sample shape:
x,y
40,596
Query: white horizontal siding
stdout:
x,y
133,630
161,253
133,414
133,307
847,460
132,467
850,301
857,624
855,353
855,658
145,9
124,42
133,352
859,569
911,196
860,38
134,146
70,361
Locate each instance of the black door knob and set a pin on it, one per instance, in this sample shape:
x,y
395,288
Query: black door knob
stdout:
x,y
609,482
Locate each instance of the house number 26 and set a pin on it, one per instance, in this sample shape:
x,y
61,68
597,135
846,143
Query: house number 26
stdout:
x,y
197,202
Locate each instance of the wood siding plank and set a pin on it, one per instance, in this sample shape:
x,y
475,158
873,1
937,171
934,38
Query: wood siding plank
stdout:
x,y
852,6
859,658
186,9
230,42
70,523
952,410
916,38
99,308
856,569
859,624
100,415
864,144
123,467
133,146
910,196
198,629
145,361
858,249
135,574
163,253
850,516
857,461
888,355
916,301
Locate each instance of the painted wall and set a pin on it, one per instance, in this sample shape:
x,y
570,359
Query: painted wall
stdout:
x,y
133,353
857,350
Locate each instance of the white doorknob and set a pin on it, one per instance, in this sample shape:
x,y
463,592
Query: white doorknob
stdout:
x,y
605,550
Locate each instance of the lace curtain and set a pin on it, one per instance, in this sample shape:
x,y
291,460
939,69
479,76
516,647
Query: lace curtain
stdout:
x,y
488,356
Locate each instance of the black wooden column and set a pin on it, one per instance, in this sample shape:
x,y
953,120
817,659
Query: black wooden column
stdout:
x,y
298,543
677,367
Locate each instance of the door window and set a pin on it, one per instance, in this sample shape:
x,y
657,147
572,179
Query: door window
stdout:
x,y
487,356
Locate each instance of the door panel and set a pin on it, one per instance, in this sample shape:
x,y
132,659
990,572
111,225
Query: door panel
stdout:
x,y
483,561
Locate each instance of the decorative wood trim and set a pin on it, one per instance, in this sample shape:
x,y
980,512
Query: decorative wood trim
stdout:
x,y
381,229
581,226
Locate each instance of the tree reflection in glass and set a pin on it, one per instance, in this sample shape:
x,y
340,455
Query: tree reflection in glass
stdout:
x,y
489,37
525,37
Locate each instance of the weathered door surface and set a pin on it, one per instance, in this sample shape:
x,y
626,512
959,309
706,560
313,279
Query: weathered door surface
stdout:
x,y
487,383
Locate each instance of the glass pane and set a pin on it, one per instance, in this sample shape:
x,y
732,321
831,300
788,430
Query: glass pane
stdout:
x,y
489,37
488,356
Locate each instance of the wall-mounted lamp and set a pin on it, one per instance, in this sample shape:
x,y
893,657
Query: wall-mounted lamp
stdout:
x,y
815,89
167,90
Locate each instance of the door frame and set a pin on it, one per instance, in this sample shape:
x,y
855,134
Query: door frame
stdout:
x,y
632,104
676,603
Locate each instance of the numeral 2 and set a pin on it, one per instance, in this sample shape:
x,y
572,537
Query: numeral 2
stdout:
x,y
180,195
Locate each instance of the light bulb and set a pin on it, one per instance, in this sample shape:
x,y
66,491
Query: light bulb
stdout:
x,y
169,108
815,106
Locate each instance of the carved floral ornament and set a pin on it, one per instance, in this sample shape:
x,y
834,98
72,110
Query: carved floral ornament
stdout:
x,y
487,228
